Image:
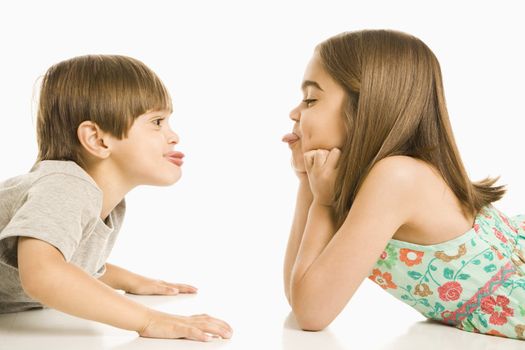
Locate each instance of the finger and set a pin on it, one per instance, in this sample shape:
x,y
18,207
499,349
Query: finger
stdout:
x,y
163,289
332,160
215,329
195,334
214,320
320,157
309,159
183,288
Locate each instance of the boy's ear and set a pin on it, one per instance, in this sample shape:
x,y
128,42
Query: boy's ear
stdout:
x,y
91,138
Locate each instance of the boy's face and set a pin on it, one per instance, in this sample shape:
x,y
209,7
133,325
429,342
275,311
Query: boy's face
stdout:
x,y
147,155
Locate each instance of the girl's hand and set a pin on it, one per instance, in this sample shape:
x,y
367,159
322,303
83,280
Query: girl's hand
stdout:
x,y
197,327
294,142
321,166
148,286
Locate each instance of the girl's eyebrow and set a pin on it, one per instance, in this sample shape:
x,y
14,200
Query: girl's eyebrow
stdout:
x,y
308,83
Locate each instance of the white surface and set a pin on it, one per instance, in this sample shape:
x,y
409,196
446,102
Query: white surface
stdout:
x,y
234,70
373,320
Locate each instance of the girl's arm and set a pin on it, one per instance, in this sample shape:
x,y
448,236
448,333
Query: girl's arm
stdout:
x,y
118,278
49,279
331,265
304,199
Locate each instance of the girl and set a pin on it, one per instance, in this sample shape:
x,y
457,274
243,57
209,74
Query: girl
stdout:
x,y
383,194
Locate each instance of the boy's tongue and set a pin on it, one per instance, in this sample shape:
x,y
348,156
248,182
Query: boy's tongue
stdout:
x,y
290,138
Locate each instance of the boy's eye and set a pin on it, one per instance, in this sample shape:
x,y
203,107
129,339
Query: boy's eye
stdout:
x,y
158,122
309,101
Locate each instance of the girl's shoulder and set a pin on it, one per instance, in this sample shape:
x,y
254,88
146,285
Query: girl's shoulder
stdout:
x,y
418,183
400,164
392,186
408,172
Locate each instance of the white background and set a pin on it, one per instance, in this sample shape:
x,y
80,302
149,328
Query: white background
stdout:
x,y
234,69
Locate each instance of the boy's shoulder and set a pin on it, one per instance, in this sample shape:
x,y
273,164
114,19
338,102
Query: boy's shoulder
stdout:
x,y
52,179
62,169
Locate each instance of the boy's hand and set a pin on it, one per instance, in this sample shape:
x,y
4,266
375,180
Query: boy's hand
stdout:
x,y
321,166
148,286
197,327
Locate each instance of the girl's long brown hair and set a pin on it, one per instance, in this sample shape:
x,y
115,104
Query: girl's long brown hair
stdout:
x,y
395,106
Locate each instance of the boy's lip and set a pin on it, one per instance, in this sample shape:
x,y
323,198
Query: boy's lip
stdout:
x,y
175,157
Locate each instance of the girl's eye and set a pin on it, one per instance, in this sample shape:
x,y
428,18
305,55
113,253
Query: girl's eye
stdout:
x,y
309,101
158,122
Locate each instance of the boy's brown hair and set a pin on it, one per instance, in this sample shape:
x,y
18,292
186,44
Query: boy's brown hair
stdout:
x,y
109,90
395,106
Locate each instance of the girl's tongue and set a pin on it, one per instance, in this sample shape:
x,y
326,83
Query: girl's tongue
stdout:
x,y
290,138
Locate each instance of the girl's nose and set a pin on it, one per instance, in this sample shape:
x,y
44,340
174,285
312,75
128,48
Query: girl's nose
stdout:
x,y
295,114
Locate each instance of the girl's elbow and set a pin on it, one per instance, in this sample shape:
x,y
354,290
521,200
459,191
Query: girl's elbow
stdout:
x,y
309,319
311,324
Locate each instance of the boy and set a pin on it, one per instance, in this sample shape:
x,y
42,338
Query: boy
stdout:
x,y
102,129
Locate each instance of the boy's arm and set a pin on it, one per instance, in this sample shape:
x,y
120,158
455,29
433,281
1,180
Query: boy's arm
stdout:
x,y
48,278
303,202
119,278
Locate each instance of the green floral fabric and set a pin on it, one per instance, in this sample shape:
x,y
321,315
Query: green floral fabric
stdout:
x,y
474,282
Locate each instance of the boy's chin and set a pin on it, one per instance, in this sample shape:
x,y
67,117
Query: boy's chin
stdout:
x,y
167,181
174,180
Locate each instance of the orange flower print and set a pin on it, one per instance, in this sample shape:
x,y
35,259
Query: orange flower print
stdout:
x,y
519,329
497,252
410,257
500,235
423,290
384,280
450,291
506,221
497,308
462,250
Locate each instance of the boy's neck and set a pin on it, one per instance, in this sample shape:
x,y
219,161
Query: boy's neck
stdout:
x,y
113,185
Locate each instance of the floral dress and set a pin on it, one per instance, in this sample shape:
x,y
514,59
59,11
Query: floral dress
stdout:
x,y
474,282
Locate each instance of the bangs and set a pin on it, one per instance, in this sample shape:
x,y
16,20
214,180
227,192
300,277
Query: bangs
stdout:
x,y
149,94
134,90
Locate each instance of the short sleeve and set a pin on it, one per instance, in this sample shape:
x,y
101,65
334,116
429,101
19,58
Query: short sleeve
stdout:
x,y
55,210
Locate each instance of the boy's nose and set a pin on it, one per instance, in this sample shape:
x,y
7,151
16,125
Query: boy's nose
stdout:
x,y
173,138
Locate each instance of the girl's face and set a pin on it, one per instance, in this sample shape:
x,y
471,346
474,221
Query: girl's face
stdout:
x,y
319,117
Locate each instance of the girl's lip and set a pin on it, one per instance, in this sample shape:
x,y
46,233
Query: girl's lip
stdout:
x,y
175,157
290,138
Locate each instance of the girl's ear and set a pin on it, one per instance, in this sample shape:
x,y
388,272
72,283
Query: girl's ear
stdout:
x,y
91,138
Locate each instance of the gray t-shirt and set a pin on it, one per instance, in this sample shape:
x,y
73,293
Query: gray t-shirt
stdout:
x,y
59,203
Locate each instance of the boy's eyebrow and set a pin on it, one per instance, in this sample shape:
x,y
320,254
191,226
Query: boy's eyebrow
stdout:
x,y
308,83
